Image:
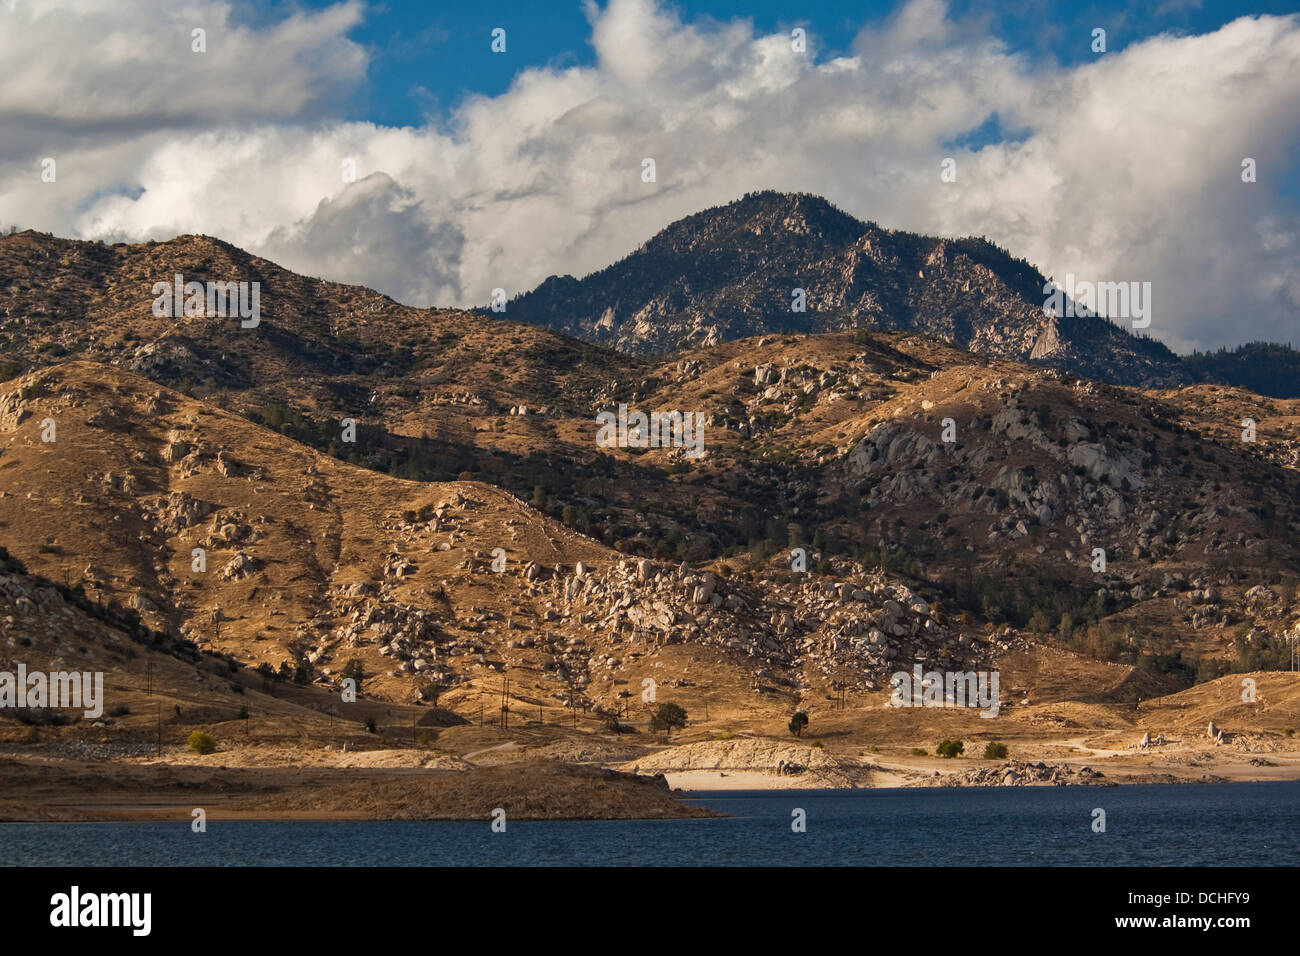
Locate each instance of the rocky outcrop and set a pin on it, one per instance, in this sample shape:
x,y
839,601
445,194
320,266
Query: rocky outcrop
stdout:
x,y
239,567
812,766
1018,773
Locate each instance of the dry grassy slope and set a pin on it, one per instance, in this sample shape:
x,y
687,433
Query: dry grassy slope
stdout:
x,y
322,346
309,556
1276,706
1165,488
1218,411
150,690
1183,513
893,375
1053,694
831,393
100,505
891,380
139,475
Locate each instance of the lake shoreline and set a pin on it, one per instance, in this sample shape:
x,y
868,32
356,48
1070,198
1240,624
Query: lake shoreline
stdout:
x,y
50,790
67,791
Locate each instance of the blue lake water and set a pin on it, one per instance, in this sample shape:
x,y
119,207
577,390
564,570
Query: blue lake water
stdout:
x,y
1243,824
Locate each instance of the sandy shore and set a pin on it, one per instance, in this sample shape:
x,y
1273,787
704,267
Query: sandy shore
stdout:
x,y
708,780
1115,771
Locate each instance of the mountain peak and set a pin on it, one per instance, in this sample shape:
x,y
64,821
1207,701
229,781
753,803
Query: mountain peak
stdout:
x,y
774,216
774,262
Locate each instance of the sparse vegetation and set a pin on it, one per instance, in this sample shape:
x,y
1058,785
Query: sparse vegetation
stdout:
x,y
354,670
668,717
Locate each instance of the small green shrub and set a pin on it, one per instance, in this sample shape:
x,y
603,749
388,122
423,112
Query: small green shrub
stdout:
x,y
994,750
202,743
668,716
949,748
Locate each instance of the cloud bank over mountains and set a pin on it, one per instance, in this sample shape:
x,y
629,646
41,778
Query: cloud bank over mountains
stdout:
x,y
1125,168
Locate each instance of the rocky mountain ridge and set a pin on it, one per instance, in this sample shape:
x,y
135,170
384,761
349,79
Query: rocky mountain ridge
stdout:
x,y
778,263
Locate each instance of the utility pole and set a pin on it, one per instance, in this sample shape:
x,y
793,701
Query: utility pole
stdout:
x,y
160,731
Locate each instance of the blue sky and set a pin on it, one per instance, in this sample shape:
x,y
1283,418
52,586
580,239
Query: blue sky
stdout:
x,y
429,56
